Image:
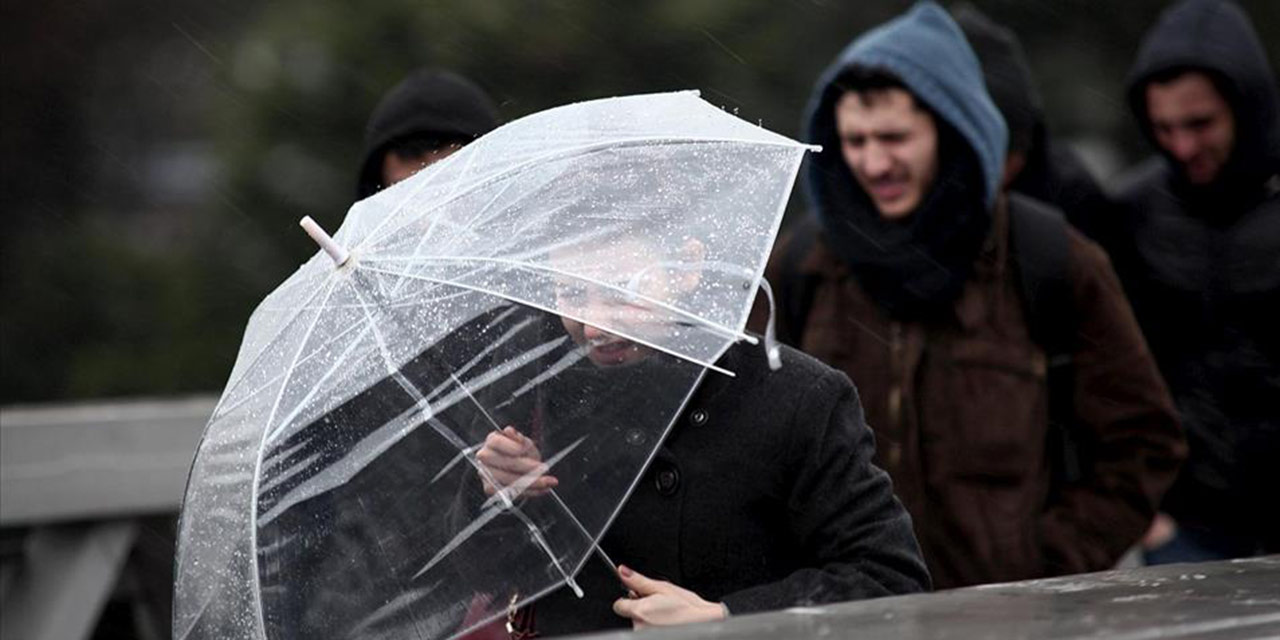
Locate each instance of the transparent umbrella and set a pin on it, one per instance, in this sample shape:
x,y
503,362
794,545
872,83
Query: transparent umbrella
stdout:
x,y
336,491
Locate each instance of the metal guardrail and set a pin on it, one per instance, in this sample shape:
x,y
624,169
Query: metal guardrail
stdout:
x,y
76,483
93,461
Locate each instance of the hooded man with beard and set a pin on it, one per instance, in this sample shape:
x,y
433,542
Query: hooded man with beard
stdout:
x,y
904,280
1203,218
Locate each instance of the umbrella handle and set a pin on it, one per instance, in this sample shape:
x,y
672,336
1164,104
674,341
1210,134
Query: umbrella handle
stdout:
x,y
336,251
771,350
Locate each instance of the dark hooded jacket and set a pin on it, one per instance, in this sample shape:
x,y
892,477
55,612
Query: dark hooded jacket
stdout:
x,y
1205,282
430,103
956,393
1053,173
763,496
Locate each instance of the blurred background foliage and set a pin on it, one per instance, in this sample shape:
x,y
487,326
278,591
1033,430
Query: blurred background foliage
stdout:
x,y
157,155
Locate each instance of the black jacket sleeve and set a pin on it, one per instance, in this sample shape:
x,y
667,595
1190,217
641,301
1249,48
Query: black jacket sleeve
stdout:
x,y
854,534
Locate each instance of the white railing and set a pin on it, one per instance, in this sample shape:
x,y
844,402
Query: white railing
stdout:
x,y
76,480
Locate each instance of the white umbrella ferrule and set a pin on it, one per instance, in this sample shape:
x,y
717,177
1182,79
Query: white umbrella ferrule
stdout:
x,y
336,251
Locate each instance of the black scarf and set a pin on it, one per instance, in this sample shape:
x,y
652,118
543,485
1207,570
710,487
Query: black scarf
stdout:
x,y
916,266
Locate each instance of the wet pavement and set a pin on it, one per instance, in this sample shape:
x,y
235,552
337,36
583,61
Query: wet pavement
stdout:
x,y
1218,600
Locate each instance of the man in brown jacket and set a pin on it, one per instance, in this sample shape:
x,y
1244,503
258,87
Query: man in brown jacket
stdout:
x,y
906,281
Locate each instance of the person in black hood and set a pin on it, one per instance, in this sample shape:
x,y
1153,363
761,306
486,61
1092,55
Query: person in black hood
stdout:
x,y
426,117
1037,165
1203,219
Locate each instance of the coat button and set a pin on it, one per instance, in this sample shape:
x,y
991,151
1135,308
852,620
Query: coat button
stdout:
x,y
667,480
698,418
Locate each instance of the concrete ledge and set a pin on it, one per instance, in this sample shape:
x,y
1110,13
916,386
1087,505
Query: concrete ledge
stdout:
x,y
1219,600
100,460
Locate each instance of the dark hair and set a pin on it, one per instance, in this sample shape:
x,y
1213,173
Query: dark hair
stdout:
x,y
869,81
419,144
1220,83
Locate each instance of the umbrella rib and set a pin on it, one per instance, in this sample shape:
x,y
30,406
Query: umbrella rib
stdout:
x,y
417,188
275,406
413,390
529,303
386,558
315,485
656,141
491,347
370,326
419,399
336,338
257,463
502,370
541,540
267,385
560,502
195,619
409,300
565,361
534,531
341,359
267,343
432,228
560,365
521,264
492,508
461,537
438,427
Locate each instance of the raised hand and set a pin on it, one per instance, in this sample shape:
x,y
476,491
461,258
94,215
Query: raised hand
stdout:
x,y
508,456
660,603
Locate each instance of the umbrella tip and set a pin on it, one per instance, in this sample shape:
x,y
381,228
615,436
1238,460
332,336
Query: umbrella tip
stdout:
x,y
336,251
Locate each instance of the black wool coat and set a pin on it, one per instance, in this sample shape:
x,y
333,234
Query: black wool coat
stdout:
x,y
763,496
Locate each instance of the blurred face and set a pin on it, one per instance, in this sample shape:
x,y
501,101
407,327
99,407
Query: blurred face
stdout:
x,y
891,146
1193,123
601,306
396,167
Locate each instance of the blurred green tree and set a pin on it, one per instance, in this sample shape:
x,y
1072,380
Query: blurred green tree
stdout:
x,y
157,155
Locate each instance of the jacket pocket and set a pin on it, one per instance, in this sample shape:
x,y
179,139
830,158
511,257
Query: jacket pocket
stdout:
x,y
987,410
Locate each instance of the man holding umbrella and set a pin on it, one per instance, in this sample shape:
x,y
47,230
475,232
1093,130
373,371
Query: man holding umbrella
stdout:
x,y
339,488
763,495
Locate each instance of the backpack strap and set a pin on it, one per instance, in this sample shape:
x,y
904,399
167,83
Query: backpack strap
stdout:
x,y
1041,254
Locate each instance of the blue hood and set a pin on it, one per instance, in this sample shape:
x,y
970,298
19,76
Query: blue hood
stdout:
x,y
915,267
928,52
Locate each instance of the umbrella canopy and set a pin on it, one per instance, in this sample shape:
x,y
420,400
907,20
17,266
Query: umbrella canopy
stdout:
x,y
336,489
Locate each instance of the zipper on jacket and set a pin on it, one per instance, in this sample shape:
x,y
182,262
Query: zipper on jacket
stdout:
x,y
896,367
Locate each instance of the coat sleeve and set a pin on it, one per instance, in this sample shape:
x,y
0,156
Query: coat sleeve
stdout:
x,y
1126,416
851,532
